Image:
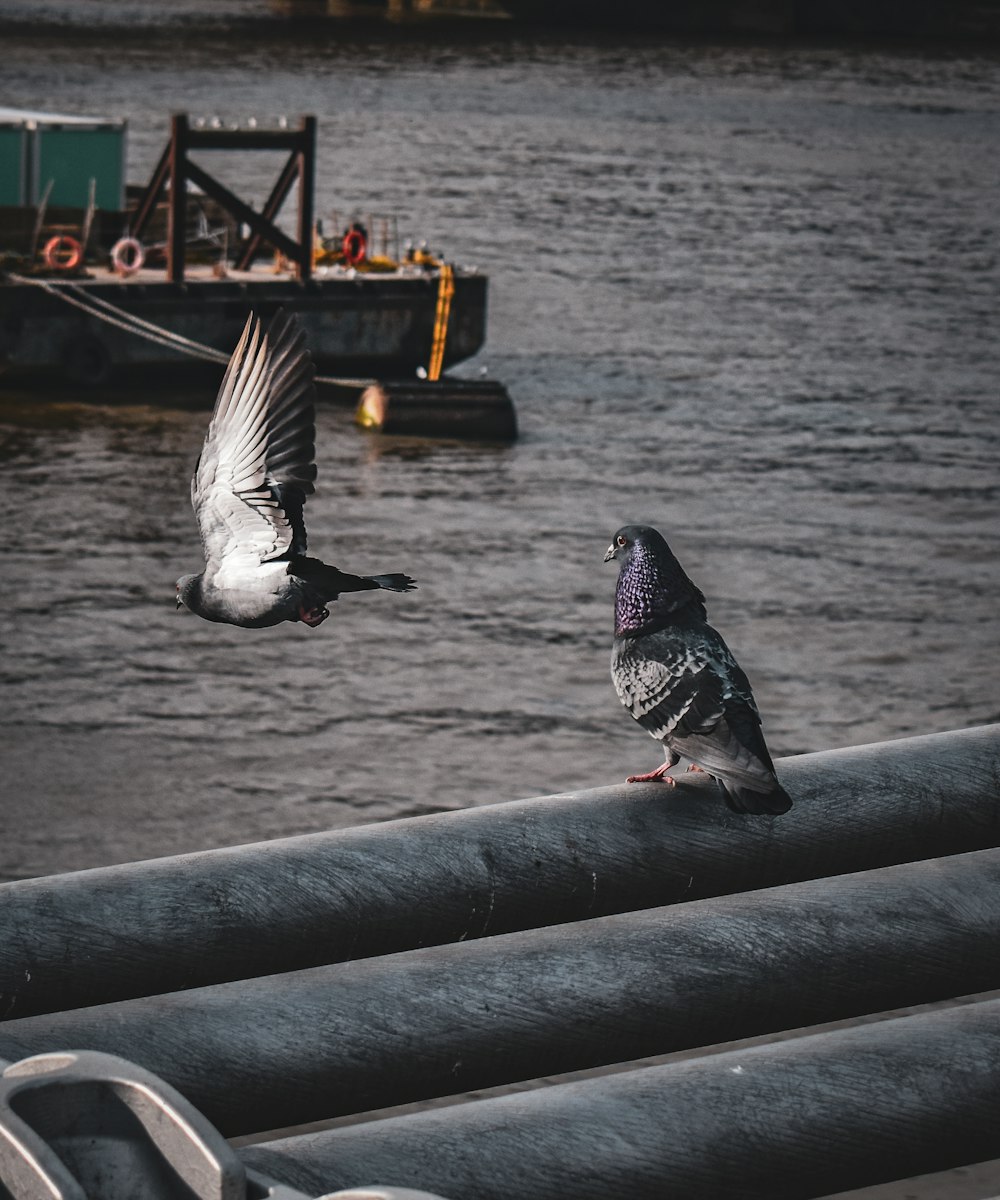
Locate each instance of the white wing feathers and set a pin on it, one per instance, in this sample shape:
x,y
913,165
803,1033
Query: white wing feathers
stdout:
x,y
265,398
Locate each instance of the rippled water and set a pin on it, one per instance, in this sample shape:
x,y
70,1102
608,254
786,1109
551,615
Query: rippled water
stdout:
x,y
747,293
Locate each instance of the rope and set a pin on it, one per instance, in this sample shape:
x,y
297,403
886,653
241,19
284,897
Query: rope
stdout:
x,y
92,305
156,333
139,327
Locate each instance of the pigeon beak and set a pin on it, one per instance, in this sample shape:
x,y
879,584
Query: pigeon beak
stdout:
x,y
612,551
179,604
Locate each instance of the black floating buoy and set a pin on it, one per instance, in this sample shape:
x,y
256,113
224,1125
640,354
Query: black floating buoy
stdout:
x,y
460,408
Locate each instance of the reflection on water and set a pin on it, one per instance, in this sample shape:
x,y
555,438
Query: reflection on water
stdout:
x,y
746,293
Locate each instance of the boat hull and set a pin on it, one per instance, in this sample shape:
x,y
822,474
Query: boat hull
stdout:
x,y
360,326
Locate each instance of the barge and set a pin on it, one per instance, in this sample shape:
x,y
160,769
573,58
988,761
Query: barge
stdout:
x,y
95,296
93,331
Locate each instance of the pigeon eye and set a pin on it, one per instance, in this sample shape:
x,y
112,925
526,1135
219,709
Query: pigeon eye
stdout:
x,y
621,540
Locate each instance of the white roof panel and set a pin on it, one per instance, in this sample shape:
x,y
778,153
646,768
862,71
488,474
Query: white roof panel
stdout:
x,y
26,116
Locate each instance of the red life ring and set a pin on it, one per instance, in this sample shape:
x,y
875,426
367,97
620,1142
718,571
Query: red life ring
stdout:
x,y
354,246
62,253
127,255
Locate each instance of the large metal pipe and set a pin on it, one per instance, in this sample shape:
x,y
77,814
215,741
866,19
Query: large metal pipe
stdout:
x,y
281,1050
174,923
784,1121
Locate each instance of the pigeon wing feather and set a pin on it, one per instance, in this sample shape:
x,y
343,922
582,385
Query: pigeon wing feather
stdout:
x,y
689,692
256,467
659,682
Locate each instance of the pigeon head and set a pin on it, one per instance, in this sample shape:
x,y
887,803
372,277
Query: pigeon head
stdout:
x,y
188,591
653,589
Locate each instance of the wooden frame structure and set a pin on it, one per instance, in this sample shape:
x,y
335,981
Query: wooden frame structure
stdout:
x,y
176,168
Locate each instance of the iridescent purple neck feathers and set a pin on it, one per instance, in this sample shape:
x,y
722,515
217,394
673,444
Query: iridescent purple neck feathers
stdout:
x,y
653,590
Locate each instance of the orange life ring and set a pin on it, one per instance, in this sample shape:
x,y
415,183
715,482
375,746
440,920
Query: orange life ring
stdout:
x,y
62,253
354,246
127,255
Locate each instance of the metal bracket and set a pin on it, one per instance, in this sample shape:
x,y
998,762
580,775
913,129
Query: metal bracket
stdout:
x,y
85,1124
82,1125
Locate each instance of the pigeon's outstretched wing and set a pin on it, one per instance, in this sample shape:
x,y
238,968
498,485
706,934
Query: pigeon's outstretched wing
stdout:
x,y
688,691
256,467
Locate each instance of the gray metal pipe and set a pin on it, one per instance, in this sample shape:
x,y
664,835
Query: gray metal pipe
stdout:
x,y
785,1121
280,1050
175,923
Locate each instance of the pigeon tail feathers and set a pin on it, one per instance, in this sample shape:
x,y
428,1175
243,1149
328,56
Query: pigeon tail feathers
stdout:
x,y
743,800
331,582
394,582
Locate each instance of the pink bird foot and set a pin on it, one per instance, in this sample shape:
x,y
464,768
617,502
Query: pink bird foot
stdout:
x,y
659,775
313,616
694,767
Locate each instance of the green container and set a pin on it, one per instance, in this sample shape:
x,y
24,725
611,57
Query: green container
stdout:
x,y
69,151
14,165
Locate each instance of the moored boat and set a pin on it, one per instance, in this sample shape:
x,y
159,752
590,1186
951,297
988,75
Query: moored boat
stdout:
x,y
95,295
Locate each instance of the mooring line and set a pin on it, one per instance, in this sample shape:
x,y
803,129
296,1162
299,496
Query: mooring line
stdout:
x,y
157,332
130,323
126,321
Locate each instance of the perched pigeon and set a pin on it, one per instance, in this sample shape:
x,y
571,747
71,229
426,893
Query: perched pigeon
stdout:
x,y
678,678
249,488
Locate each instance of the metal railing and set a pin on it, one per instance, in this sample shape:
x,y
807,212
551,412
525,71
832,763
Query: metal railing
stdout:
x,y
332,974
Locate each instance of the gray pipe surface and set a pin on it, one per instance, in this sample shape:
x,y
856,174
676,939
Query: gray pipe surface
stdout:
x,y
174,923
786,1121
282,1050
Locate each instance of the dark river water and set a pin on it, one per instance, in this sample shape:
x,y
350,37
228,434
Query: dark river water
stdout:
x,y
747,293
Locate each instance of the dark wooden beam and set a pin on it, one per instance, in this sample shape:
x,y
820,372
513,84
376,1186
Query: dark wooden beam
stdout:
x,y
176,168
243,212
151,196
307,182
247,139
177,217
250,248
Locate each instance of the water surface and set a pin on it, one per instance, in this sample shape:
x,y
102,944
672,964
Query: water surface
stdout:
x,y
747,293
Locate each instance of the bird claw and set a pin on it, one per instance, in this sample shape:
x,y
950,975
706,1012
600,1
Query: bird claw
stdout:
x,y
694,767
313,616
658,776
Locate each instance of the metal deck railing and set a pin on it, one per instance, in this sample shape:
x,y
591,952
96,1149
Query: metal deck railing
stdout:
x,y
265,986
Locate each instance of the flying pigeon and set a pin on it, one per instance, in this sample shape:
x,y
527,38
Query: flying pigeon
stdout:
x,y
249,489
679,680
